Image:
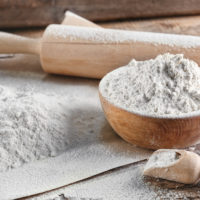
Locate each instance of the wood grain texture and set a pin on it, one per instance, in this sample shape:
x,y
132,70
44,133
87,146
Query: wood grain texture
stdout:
x,y
23,13
180,25
152,133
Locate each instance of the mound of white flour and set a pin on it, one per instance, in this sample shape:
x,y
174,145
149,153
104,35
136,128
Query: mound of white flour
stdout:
x,y
31,127
166,85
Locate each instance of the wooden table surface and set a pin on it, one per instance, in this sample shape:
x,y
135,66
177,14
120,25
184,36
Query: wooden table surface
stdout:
x,y
180,25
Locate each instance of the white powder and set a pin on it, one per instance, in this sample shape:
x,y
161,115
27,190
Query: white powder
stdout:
x,y
32,127
72,106
123,184
168,85
162,158
118,36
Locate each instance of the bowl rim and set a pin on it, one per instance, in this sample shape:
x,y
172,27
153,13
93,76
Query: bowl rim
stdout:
x,y
170,116
189,115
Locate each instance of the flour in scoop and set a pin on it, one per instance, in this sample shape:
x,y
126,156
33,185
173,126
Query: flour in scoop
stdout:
x,y
168,85
162,158
31,127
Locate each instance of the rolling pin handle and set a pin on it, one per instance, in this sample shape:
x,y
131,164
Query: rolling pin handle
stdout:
x,y
11,43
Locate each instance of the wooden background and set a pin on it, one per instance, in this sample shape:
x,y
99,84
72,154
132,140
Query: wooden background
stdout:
x,y
26,13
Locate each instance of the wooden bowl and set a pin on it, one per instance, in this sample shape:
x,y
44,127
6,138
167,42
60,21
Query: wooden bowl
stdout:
x,y
152,132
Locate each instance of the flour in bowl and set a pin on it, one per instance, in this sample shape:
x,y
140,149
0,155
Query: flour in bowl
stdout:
x,y
164,86
31,127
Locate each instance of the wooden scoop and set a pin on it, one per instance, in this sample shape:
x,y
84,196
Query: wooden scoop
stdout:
x,y
174,165
93,52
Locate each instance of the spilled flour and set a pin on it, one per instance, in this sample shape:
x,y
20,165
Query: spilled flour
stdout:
x,y
167,85
31,127
133,187
68,122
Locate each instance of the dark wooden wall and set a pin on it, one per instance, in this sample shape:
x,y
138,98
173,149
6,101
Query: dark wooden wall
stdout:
x,y
26,13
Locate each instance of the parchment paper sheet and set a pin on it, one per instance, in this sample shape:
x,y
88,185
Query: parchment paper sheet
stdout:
x,y
93,147
126,183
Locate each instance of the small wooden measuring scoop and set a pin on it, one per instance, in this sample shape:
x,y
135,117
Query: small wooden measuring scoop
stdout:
x,y
93,52
174,165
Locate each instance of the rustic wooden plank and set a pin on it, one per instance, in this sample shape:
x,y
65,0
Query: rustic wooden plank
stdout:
x,y
178,25
23,13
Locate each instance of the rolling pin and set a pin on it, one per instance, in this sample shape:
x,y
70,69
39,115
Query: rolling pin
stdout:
x,y
93,52
73,19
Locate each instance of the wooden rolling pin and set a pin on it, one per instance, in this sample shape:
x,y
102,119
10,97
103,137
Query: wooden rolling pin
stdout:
x,y
93,52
